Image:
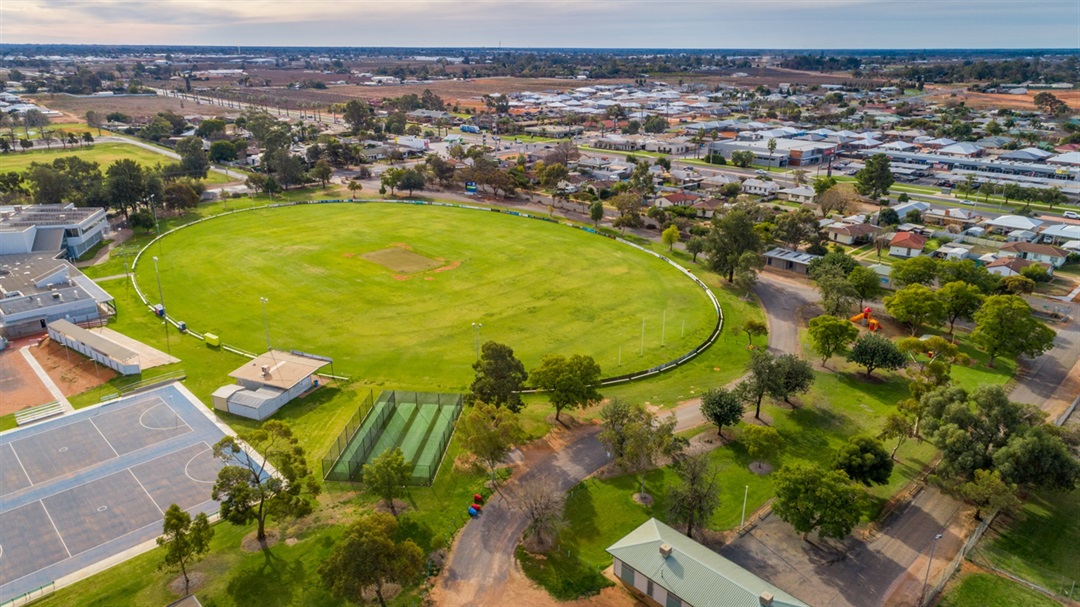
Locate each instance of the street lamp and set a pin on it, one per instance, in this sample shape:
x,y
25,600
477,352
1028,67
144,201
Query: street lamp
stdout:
x,y
476,326
926,578
266,322
164,314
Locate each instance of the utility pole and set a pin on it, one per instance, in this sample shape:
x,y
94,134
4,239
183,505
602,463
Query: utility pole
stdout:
x,y
477,326
926,578
164,313
266,322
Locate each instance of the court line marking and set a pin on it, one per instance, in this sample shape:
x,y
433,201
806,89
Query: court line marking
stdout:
x,y
104,439
176,427
208,448
146,492
13,452
55,528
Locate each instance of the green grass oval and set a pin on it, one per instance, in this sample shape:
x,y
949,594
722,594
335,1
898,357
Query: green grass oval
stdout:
x,y
391,291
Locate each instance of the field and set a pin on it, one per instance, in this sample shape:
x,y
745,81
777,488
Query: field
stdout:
x,y
136,107
986,590
539,287
102,153
1016,102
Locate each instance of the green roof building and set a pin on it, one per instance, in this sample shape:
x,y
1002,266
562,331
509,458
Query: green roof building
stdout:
x,y
666,568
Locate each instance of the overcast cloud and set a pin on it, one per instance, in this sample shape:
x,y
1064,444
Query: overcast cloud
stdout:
x,y
717,24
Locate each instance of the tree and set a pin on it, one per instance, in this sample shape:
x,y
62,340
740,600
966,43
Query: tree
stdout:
x,y
829,335
732,234
141,220
247,493
875,178
1036,272
897,425
695,246
746,272
126,185
193,158
987,491
1004,325
322,171
670,236
499,377
722,407
490,432
636,438
568,382
412,180
791,375
866,284
959,300
742,158
1017,285
184,540
697,495
761,442
542,503
796,227
888,217
915,305
919,270
864,460
596,212
387,476
771,144
876,352
836,199
367,556
754,327
967,271
837,293
222,151
628,204
810,499
757,385
551,174
822,185
354,187
833,260
180,196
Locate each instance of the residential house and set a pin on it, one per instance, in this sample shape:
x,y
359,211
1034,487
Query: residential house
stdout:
x,y
1010,223
706,208
907,244
1013,266
766,189
852,233
1036,252
1060,234
676,199
788,260
961,218
664,567
953,252
798,194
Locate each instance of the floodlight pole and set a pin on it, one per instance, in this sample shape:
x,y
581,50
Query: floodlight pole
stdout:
x,y
642,353
476,327
663,329
164,312
746,494
266,322
926,578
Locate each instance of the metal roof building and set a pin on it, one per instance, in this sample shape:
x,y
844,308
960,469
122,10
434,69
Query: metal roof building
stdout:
x,y
675,571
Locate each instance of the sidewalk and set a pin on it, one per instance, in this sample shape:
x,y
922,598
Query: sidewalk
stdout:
x,y
53,389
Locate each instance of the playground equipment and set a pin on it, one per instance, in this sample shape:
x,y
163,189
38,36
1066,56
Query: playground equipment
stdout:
x,y
865,319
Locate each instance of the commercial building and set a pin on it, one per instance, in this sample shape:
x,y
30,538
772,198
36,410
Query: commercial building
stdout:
x,y
267,383
39,288
788,152
51,227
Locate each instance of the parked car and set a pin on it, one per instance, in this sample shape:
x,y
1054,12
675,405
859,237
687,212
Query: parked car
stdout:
x,y
1071,214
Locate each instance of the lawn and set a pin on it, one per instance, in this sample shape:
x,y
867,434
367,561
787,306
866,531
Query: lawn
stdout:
x,y
540,287
1041,544
987,590
102,153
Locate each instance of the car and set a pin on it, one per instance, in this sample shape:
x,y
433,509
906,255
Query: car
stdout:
x,y
761,172
1071,214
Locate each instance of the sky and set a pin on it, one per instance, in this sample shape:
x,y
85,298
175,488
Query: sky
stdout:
x,y
708,24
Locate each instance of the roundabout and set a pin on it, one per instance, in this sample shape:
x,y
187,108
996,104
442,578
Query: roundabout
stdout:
x,y
401,294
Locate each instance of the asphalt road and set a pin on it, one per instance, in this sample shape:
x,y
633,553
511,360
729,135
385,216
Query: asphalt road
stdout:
x,y
1044,374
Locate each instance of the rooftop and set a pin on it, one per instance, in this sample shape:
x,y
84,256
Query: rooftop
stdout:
x,y
36,280
282,369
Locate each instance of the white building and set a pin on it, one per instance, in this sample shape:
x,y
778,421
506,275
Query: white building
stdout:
x,y
51,227
267,383
38,289
766,189
97,347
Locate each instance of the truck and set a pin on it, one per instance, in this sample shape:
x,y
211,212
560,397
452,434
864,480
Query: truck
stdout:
x,y
470,128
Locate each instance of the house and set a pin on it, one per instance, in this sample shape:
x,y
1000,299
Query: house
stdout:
x,y
1061,233
799,194
907,244
788,260
664,567
1035,252
40,288
676,199
961,218
1013,266
766,189
884,273
964,149
264,384
904,208
707,208
1010,223
953,252
852,233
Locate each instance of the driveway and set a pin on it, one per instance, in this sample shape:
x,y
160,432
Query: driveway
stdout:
x,y
1042,376
781,298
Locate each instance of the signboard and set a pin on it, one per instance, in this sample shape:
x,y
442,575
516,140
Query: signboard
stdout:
x,y
470,187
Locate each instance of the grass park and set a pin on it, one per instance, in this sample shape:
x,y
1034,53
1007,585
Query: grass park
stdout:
x,y
102,153
988,590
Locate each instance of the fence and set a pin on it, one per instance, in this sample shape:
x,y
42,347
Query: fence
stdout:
x,y
334,454
424,474
1050,583
930,594
28,597
145,384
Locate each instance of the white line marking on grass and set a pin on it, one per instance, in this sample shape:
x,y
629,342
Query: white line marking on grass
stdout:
x,y
13,452
103,438
146,492
55,528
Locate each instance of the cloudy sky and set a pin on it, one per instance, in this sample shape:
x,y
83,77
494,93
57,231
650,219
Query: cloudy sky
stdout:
x,y
550,23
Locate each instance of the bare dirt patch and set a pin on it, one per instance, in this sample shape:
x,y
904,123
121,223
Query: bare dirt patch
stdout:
x,y
1018,102
400,507
642,498
251,543
760,468
448,267
19,385
136,107
401,260
72,372
196,580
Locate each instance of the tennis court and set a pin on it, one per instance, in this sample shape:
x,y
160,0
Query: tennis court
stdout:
x,y
83,488
418,423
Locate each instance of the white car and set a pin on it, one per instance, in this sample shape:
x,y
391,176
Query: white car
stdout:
x,y
1071,214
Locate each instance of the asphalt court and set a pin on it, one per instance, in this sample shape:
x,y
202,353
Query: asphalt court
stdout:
x,y
89,485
